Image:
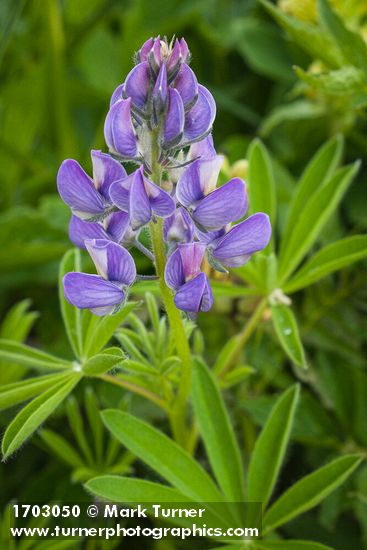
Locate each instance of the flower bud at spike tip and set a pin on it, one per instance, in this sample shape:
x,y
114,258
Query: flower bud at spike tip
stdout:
x,y
160,92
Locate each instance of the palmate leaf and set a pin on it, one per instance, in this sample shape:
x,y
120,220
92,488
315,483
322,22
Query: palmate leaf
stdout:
x,y
62,448
78,428
261,181
95,422
102,362
21,354
261,198
319,170
217,433
163,455
329,259
125,490
286,328
101,329
313,218
153,311
16,326
270,448
310,491
18,321
32,415
13,394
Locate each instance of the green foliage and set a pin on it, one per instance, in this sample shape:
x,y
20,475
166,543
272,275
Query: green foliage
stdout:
x,y
217,433
124,489
109,359
163,455
309,491
189,480
287,331
72,316
51,390
270,448
329,259
314,201
7,521
318,43
87,456
340,54
13,394
318,171
315,214
261,180
16,326
32,415
17,353
352,46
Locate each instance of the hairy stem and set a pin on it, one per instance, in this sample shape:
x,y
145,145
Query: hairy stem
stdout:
x,y
143,249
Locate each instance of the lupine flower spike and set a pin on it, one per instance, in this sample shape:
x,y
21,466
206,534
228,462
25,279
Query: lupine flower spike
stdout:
x,y
160,116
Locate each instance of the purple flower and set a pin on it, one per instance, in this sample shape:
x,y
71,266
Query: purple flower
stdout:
x,y
159,117
106,292
142,54
161,90
182,274
178,228
198,180
235,247
187,86
119,130
115,227
141,198
174,122
117,94
137,84
199,119
157,52
211,208
89,198
203,149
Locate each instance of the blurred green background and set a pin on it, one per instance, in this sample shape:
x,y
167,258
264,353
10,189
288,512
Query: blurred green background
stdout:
x,y
60,62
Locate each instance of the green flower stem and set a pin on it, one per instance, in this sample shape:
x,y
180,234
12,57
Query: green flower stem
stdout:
x,y
178,411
